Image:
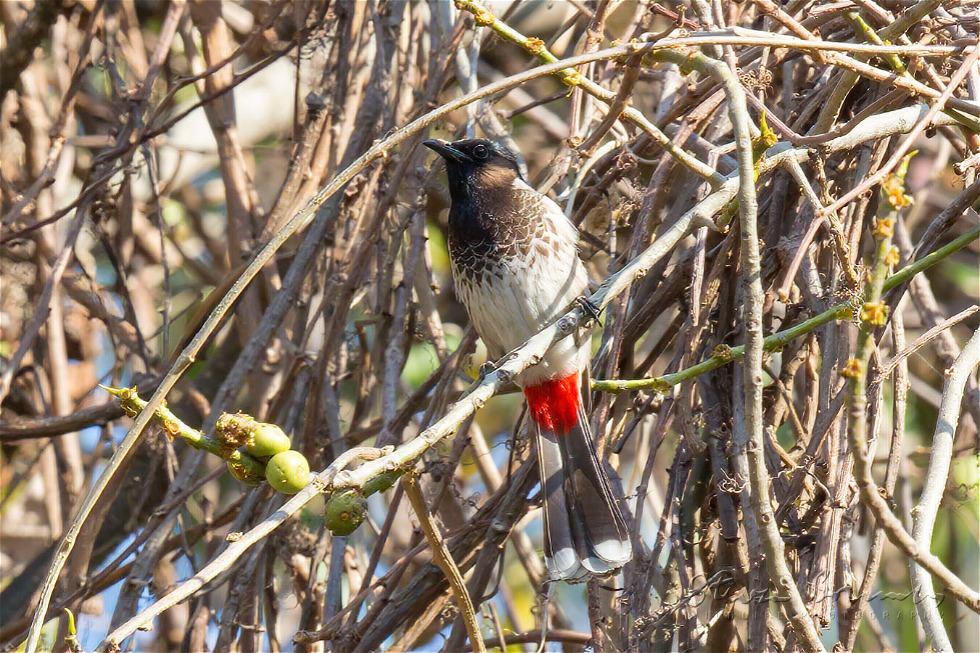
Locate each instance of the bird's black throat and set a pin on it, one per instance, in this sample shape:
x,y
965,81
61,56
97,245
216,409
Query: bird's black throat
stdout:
x,y
489,219
479,222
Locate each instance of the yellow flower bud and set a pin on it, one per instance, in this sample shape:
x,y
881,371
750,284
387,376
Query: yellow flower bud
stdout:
x,y
852,369
894,191
884,227
892,257
875,314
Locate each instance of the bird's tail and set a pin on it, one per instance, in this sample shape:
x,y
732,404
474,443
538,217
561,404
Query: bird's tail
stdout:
x,y
585,534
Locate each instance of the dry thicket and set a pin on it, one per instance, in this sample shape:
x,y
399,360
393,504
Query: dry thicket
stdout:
x,y
224,206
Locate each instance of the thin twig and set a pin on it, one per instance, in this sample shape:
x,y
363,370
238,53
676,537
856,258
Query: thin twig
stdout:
x,y
444,559
909,140
926,338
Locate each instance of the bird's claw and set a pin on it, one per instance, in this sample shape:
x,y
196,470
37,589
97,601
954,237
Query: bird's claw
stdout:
x,y
591,310
486,369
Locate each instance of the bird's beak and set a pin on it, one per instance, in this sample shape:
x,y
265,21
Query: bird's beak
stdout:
x,y
445,150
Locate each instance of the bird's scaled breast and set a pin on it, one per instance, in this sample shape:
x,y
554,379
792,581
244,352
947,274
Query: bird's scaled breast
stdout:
x,y
509,299
515,264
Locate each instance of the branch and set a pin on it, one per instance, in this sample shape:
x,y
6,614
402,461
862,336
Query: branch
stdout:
x,y
236,548
442,557
22,428
244,466
788,594
536,637
842,311
924,515
873,314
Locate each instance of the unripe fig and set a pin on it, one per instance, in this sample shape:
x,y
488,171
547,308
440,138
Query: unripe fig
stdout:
x,y
345,511
243,473
232,429
266,440
288,472
381,482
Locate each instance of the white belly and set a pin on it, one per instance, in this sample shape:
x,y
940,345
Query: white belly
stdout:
x,y
518,298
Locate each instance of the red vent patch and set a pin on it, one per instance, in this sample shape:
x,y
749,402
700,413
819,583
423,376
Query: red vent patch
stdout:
x,y
554,404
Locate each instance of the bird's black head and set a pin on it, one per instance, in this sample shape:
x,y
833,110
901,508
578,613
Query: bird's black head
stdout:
x,y
476,164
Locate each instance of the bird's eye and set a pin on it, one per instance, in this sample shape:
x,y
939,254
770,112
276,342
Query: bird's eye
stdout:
x,y
481,152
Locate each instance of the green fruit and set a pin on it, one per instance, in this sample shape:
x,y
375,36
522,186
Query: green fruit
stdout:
x,y
345,511
288,472
232,429
266,440
381,482
243,473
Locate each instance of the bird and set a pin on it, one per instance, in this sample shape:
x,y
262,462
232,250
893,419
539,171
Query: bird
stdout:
x,y
516,269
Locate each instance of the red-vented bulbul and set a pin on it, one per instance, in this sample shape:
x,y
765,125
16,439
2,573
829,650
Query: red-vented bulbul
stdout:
x,y
516,268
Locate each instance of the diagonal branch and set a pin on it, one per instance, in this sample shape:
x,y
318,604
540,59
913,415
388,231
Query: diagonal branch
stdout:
x,y
442,557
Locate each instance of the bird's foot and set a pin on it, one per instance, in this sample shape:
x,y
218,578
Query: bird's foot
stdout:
x,y
486,369
591,310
